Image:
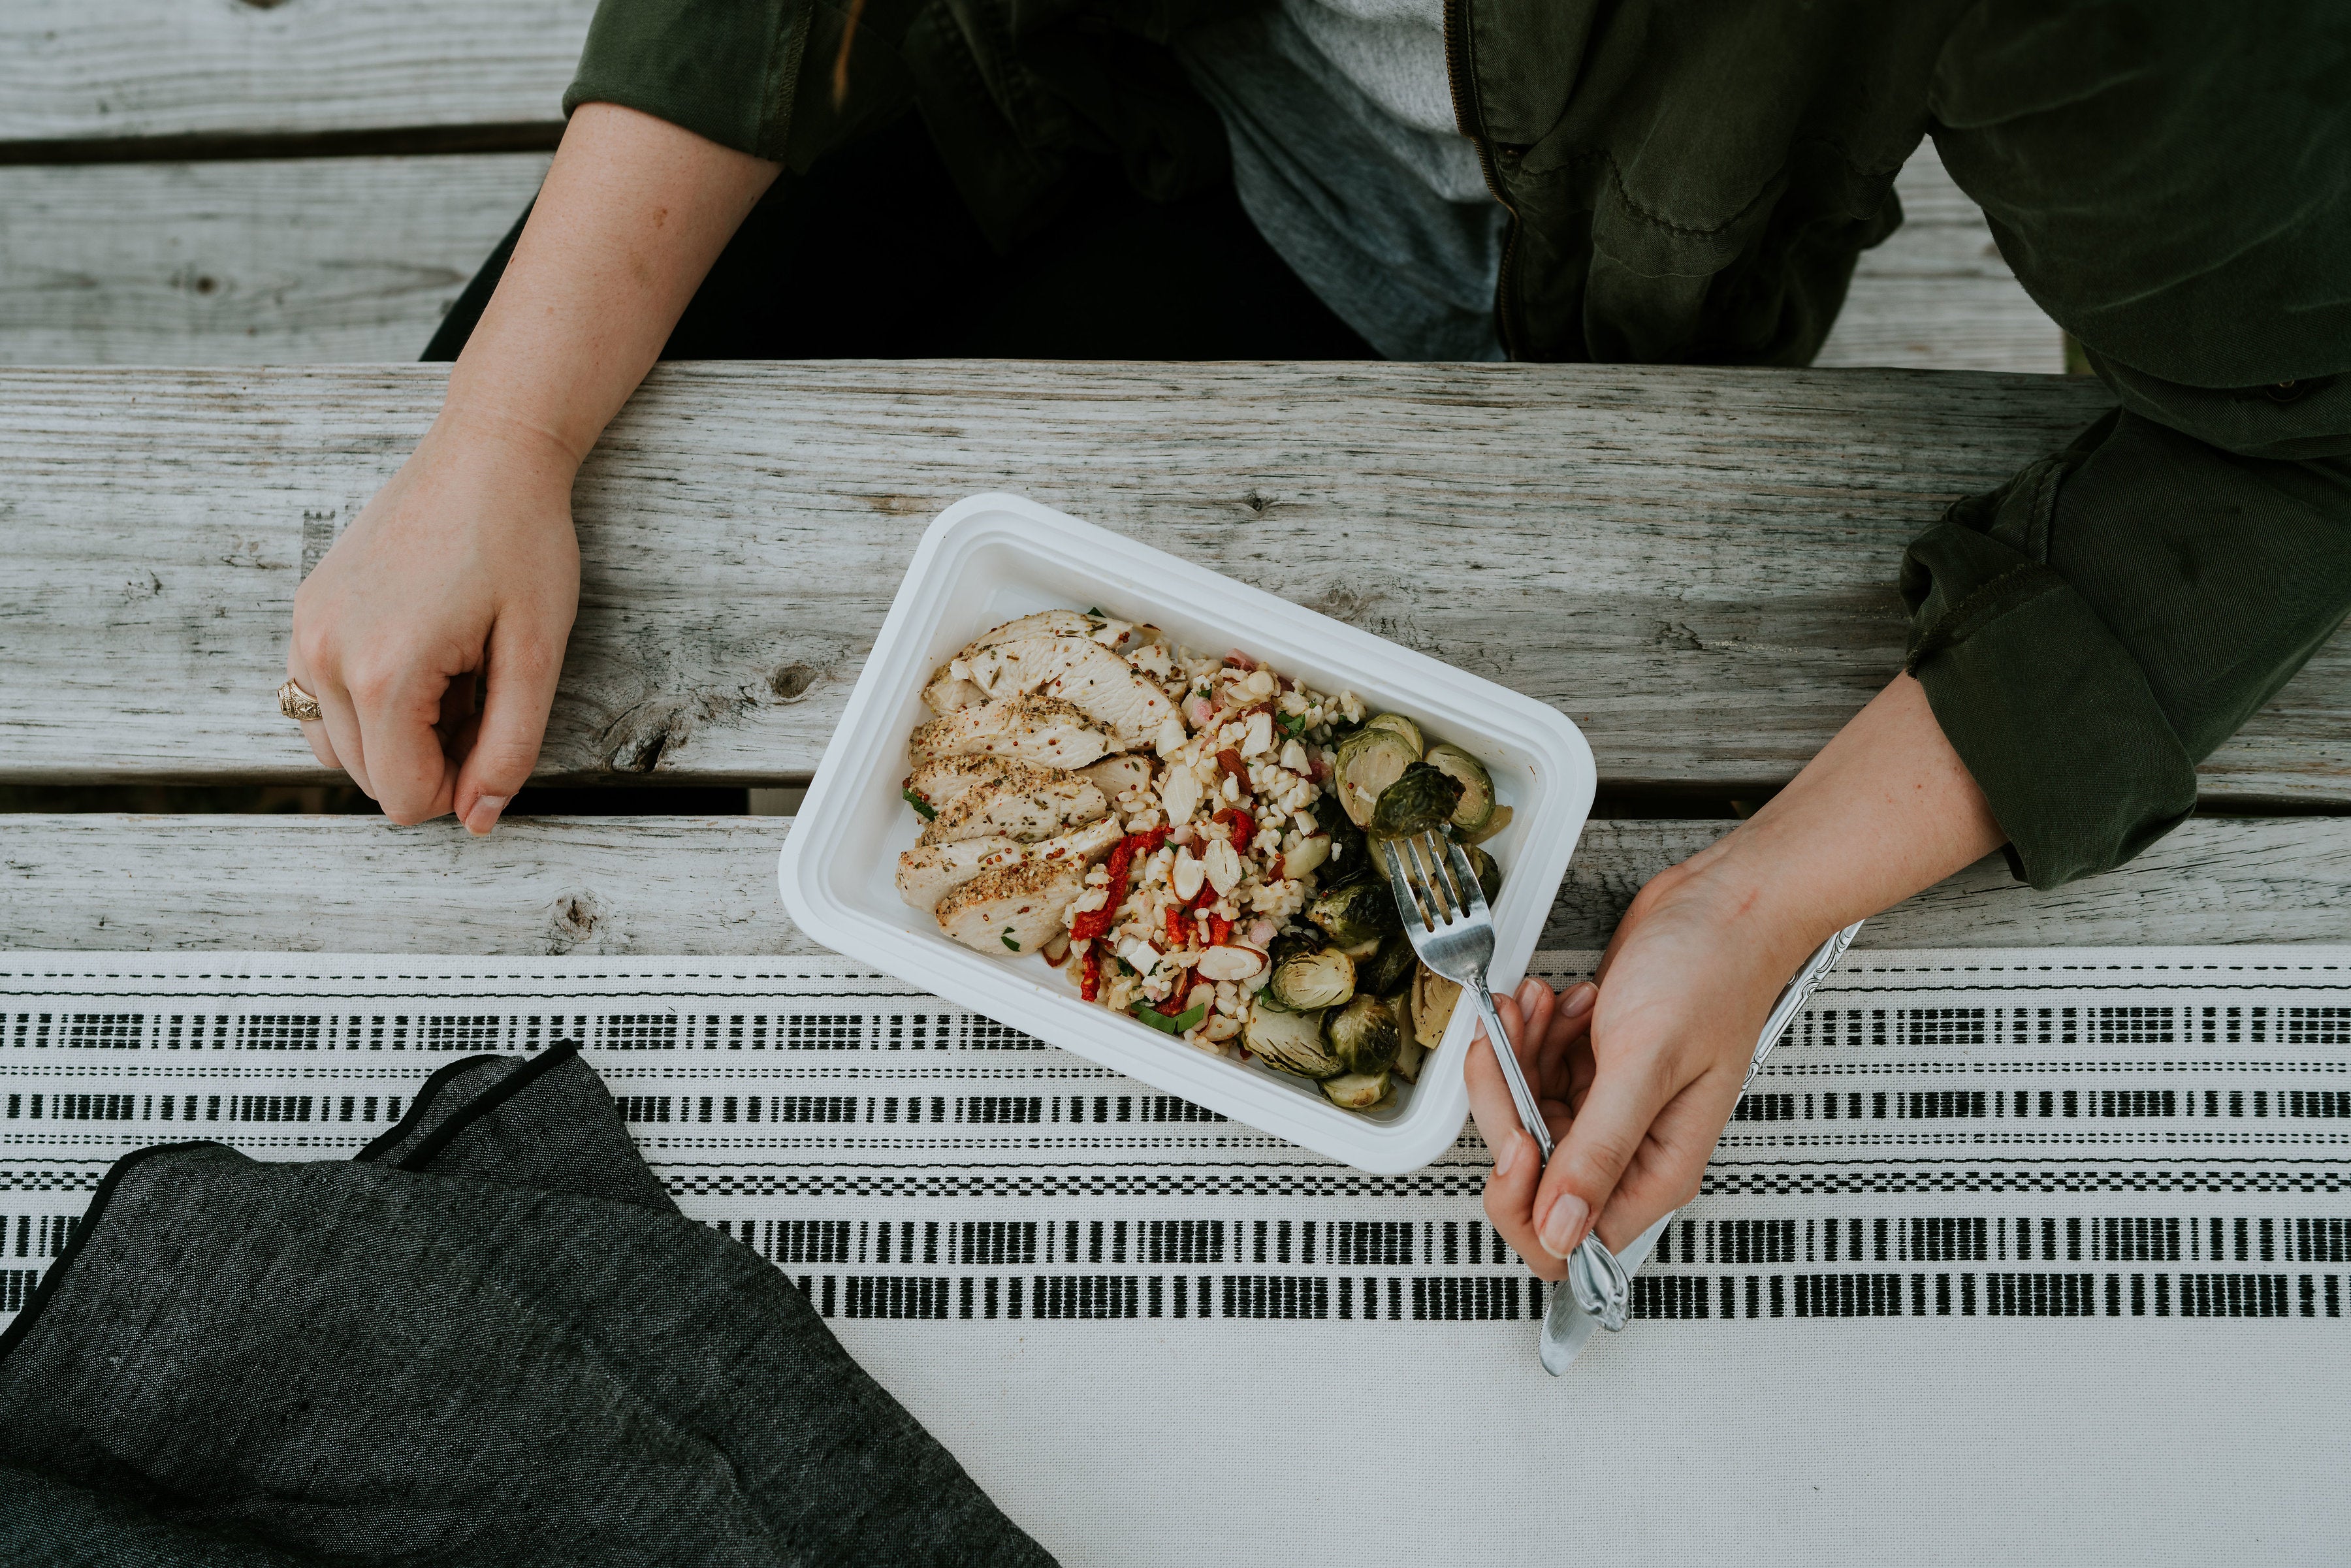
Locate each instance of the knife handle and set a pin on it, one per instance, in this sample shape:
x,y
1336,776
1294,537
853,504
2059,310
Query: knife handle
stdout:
x,y
1798,992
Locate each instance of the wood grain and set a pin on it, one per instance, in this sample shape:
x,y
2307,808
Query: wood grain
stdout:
x,y
339,260
72,70
1696,565
706,885
266,261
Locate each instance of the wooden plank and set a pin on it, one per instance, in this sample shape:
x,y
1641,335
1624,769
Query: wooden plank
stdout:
x,y
2216,879
299,261
1711,569
1937,295
1696,565
73,71
335,260
707,886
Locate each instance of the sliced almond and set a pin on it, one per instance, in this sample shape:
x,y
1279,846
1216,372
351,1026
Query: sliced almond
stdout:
x,y
1224,866
1229,961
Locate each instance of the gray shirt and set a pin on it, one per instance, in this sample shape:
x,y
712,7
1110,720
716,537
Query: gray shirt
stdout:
x,y
1346,158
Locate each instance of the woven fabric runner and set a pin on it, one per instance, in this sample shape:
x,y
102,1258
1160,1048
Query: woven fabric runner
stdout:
x,y
2025,1250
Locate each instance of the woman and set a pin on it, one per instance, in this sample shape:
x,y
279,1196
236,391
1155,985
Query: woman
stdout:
x,y
1563,179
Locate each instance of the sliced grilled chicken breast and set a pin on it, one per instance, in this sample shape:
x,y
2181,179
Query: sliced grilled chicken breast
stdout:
x,y
942,781
1044,623
1111,692
949,691
1117,775
1077,671
928,872
1032,729
1024,802
1017,909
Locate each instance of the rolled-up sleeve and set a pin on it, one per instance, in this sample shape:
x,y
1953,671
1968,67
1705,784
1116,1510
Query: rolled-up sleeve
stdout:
x,y
2173,186
769,77
2090,630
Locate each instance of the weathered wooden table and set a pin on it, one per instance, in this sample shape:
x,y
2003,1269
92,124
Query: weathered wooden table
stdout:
x,y
1697,566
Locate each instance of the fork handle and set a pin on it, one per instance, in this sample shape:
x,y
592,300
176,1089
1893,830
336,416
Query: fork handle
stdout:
x,y
1521,1095
1595,1276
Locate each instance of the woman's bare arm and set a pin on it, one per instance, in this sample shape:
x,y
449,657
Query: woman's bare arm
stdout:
x,y
1637,1078
465,562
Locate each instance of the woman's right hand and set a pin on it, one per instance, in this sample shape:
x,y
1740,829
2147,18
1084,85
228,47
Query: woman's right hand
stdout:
x,y
466,563
464,566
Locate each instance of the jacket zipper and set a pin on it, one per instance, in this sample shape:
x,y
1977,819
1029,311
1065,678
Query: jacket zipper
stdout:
x,y
1471,122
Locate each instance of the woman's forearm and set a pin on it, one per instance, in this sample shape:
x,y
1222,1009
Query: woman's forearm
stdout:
x,y
1885,810
633,211
465,564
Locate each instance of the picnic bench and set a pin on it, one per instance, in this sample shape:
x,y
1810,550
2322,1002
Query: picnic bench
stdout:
x,y
276,199
1699,567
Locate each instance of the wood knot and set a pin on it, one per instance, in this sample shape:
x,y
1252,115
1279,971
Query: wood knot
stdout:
x,y
791,682
639,736
576,918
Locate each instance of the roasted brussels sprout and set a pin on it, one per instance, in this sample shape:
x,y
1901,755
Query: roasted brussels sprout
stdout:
x,y
1351,859
1401,725
1388,970
1369,761
1293,1042
1490,873
1432,997
1356,1090
1421,798
1360,912
1362,1035
1410,1052
1308,973
1477,801
1494,824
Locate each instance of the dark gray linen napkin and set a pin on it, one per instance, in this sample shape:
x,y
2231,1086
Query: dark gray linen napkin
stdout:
x,y
491,1338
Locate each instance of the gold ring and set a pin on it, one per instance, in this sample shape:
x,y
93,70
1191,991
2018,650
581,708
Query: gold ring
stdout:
x,y
298,704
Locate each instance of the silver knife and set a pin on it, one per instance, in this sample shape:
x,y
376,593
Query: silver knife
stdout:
x,y
1569,1322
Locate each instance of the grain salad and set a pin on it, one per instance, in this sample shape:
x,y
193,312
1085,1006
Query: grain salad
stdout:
x,y
1183,835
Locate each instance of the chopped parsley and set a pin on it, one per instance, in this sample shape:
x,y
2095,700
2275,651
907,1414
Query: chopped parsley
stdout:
x,y
1008,941
1096,613
1144,1012
920,805
1293,725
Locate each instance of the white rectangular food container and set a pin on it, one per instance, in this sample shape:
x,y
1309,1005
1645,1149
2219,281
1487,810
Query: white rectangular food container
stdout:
x,y
990,559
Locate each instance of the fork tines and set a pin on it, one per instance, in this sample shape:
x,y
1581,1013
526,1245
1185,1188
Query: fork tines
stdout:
x,y
1436,878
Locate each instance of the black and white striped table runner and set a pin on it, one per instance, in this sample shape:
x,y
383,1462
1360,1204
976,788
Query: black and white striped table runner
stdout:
x,y
2034,1241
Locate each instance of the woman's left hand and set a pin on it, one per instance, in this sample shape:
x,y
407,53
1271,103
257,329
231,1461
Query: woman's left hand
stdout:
x,y
1635,1077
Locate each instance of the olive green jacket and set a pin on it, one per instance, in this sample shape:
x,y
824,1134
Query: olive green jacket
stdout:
x,y
1691,181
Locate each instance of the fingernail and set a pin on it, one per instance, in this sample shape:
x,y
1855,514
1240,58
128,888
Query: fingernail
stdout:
x,y
1527,990
1508,1154
485,814
1579,1000
1563,1227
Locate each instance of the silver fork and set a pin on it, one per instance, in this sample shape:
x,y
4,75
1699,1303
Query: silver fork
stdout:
x,y
1444,915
